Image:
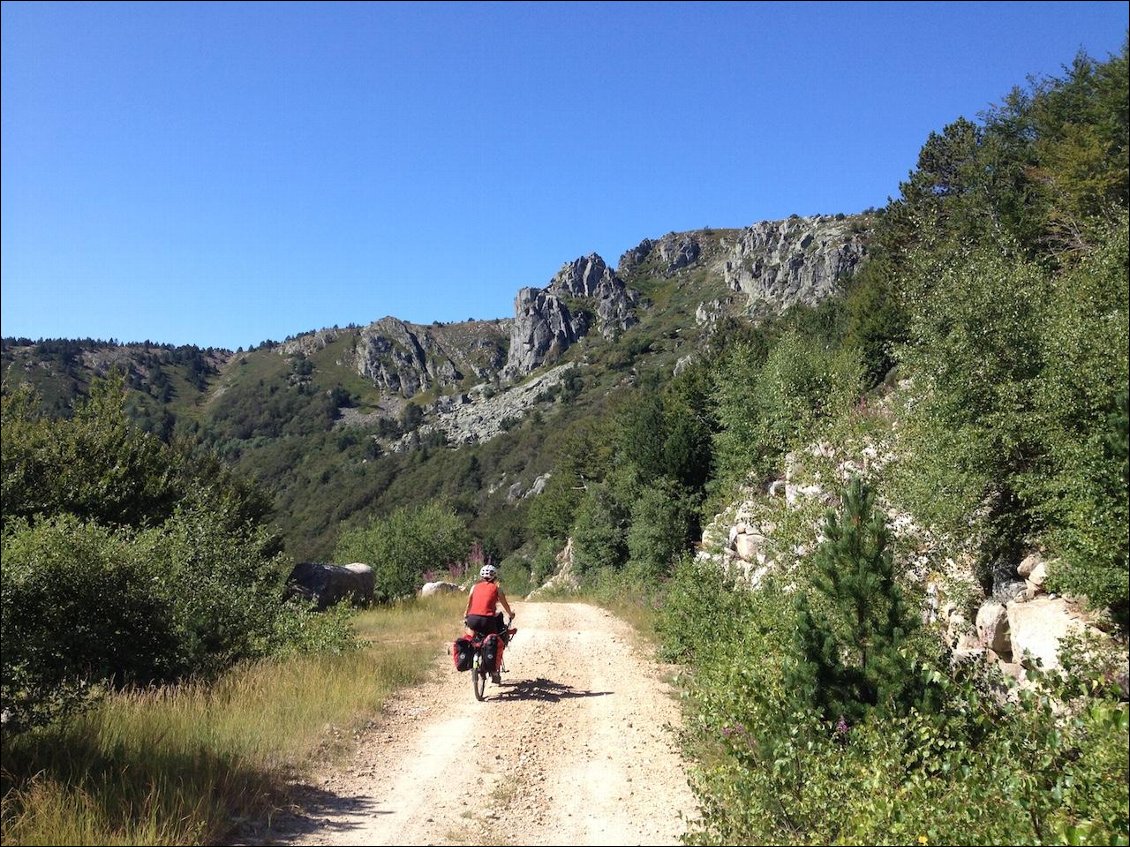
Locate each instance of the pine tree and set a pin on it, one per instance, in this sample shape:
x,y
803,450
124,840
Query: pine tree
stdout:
x,y
850,651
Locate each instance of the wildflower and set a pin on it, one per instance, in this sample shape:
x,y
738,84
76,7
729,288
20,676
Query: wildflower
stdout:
x,y
922,839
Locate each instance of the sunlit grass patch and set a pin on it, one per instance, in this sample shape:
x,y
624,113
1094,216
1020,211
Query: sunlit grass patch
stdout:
x,y
182,764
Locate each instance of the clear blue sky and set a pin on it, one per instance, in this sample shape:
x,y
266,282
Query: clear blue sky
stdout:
x,y
221,174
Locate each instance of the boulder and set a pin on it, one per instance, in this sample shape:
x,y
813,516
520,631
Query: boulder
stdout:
x,y
748,546
993,629
328,584
1037,577
1040,625
431,588
1029,564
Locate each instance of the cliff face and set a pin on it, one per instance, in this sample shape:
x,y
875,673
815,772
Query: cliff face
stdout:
x,y
404,359
800,260
584,294
674,251
475,371
766,268
669,284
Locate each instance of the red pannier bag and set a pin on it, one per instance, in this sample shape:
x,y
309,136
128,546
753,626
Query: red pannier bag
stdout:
x,y
463,653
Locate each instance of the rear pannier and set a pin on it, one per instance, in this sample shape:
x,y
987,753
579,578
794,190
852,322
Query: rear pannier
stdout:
x,y
490,653
463,653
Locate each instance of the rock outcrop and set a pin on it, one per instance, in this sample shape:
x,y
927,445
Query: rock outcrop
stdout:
x,y
477,374
474,416
765,268
674,251
798,260
431,589
327,584
564,579
405,358
1016,623
309,343
584,294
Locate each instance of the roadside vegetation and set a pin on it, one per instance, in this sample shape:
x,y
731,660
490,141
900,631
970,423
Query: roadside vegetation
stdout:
x,y
991,334
979,358
192,762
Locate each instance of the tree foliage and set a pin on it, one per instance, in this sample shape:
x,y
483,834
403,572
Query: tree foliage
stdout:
x,y
765,407
127,561
97,465
998,287
853,633
1081,499
599,531
404,546
1011,274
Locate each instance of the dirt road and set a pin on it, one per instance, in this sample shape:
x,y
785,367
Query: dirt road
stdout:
x,y
575,747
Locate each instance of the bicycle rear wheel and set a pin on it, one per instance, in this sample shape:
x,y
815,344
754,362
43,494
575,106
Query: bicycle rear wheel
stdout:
x,y
479,676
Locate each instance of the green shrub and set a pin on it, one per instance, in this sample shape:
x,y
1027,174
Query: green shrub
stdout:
x,y
79,609
85,607
659,533
707,606
971,767
544,563
128,561
224,588
1082,401
766,408
96,465
404,546
599,532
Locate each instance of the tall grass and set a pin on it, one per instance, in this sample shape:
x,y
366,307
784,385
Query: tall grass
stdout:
x,y
633,598
187,764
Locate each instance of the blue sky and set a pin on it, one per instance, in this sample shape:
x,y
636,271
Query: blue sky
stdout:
x,y
221,174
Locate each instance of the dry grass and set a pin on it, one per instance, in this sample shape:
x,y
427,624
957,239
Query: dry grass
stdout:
x,y
184,764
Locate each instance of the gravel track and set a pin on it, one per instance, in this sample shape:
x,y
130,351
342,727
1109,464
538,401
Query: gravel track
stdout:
x,y
575,747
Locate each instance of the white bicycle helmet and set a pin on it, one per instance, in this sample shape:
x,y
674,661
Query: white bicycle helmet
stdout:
x,y
488,572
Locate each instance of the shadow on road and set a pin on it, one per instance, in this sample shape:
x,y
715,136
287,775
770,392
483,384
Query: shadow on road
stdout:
x,y
539,689
309,810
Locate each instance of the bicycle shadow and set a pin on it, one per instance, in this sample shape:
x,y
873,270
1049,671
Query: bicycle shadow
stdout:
x,y
542,689
302,811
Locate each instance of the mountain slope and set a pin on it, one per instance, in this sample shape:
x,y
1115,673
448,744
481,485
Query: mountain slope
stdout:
x,y
344,423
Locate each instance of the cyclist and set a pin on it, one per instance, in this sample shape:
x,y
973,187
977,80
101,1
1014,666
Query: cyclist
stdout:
x,y
482,616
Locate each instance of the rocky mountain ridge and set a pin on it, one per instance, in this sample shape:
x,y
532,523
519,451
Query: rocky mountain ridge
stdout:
x,y
752,273
544,325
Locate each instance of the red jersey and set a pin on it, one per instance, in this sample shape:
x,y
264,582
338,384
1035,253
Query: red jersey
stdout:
x,y
484,598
